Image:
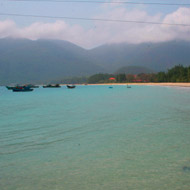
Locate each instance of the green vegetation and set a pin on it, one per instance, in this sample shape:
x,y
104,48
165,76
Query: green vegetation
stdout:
x,y
99,78
135,70
176,74
120,78
42,61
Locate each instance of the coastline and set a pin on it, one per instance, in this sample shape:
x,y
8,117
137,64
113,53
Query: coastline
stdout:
x,y
148,84
171,84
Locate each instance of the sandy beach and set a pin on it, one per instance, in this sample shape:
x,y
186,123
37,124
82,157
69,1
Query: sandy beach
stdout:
x,y
148,84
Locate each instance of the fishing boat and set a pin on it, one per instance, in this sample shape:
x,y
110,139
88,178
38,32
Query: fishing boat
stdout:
x,y
52,86
22,89
32,86
71,86
10,87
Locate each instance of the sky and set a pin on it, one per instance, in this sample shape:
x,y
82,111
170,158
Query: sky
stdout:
x,y
93,33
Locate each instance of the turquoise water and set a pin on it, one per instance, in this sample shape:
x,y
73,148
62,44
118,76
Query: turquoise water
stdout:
x,y
95,138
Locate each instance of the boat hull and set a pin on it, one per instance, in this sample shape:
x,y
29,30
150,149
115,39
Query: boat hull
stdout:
x,y
10,87
22,90
51,86
73,86
34,86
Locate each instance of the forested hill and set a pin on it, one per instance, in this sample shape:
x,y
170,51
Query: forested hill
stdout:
x,y
26,61
133,70
154,56
23,61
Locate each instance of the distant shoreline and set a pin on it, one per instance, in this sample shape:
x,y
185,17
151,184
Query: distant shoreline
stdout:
x,y
145,84
182,84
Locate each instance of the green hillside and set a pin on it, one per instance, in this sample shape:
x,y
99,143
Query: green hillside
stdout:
x,y
42,61
133,70
23,61
155,56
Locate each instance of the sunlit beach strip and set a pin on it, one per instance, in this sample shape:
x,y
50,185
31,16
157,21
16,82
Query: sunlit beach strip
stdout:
x,y
145,84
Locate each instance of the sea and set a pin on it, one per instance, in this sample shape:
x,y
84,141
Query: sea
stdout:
x,y
95,138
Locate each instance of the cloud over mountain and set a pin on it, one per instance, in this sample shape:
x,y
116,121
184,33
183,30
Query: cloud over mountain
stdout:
x,y
107,32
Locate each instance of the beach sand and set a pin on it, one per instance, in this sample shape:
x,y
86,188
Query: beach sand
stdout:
x,y
149,84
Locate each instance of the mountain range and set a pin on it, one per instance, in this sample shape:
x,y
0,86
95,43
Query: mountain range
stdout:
x,y
41,61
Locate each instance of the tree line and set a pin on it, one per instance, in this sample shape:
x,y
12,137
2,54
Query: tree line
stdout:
x,y
178,73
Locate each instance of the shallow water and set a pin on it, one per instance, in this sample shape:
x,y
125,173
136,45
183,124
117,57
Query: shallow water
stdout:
x,y
95,138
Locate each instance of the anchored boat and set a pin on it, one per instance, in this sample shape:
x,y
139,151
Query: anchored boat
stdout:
x,y
10,87
52,86
71,86
22,89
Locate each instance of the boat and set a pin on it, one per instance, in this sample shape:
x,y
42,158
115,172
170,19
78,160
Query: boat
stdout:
x,y
128,86
110,86
10,87
22,89
71,86
52,86
32,86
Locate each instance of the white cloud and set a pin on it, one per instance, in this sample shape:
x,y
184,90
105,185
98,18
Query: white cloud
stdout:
x,y
182,15
107,32
56,30
7,28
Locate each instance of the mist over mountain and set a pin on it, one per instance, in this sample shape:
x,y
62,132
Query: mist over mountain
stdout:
x,y
26,61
